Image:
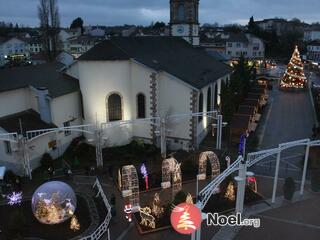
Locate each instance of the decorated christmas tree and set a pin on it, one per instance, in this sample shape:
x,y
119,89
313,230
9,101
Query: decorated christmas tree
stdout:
x,y
230,194
74,224
294,76
42,210
157,210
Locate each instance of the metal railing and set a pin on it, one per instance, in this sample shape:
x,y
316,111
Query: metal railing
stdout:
x,y
103,228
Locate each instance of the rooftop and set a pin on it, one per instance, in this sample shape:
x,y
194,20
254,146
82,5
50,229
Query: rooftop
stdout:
x,y
30,120
223,37
170,54
314,43
240,121
246,110
43,75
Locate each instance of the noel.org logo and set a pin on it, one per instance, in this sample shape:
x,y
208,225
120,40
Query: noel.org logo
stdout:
x,y
185,218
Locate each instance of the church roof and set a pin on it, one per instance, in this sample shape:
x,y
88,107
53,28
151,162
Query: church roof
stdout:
x,y
30,120
43,75
170,54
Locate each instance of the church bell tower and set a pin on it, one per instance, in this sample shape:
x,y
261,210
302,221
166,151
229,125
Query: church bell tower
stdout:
x,y
184,20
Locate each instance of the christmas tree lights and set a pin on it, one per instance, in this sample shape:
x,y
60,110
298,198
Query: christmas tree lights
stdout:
x,y
157,210
74,224
294,76
230,194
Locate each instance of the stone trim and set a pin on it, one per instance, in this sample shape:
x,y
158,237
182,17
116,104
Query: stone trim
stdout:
x,y
153,103
193,120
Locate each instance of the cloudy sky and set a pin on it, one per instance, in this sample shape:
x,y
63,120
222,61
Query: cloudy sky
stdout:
x,y
117,12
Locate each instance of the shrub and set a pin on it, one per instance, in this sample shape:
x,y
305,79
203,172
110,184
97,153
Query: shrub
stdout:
x,y
46,161
9,177
188,166
70,151
315,180
180,197
16,224
137,146
289,188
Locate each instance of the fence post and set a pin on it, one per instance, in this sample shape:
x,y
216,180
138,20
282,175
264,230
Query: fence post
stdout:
x,y
275,183
241,179
305,168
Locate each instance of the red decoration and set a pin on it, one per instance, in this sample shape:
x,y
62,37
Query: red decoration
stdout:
x,y
185,218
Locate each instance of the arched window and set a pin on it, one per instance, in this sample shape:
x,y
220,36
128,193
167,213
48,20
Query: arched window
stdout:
x,y
200,106
209,107
181,13
141,106
114,107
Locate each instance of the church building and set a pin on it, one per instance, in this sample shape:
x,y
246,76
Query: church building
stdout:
x,y
184,20
126,78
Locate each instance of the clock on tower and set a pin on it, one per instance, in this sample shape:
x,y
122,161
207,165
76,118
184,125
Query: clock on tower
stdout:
x,y
184,20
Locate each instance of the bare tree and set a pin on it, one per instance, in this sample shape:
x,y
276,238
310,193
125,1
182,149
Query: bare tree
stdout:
x,y
48,14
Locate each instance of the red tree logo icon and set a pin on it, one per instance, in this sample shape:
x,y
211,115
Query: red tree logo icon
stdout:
x,y
185,218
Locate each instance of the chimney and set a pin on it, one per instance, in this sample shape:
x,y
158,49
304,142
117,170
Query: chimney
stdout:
x,y
44,104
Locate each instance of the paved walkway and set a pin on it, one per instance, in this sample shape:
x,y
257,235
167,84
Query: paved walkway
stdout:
x,y
270,212
289,116
294,221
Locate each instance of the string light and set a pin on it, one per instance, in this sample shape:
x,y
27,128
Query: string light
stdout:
x,y
157,210
144,172
294,76
14,198
230,194
74,224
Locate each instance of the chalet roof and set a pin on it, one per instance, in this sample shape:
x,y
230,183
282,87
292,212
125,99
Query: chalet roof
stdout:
x,y
225,37
218,55
240,121
43,75
170,54
254,96
30,120
246,110
237,37
250,102
314,43
6,39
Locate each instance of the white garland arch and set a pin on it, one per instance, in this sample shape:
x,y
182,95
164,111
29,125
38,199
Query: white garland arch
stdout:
x,y
130,185
215,165
171,172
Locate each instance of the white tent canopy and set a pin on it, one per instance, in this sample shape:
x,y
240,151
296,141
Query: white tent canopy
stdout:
x,y
2,171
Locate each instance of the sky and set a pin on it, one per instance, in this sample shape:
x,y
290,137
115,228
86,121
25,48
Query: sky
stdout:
x,y
143,12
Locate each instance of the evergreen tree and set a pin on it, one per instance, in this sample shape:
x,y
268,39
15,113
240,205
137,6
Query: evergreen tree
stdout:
x,y
294,76
77,23
230,193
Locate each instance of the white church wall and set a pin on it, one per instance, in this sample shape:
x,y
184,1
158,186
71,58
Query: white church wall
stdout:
x,y
36,148
14,101
63,109
174,98
98,80
140,79
66,109
6,158
33,98
204,124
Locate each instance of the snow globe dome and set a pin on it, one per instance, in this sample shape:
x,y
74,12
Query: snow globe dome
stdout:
x,y
53,202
